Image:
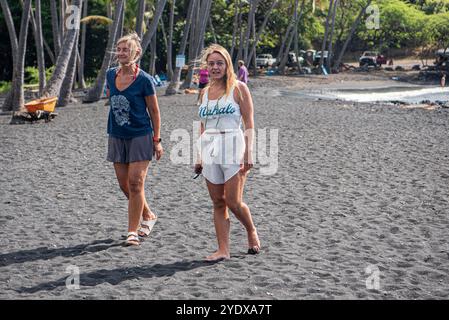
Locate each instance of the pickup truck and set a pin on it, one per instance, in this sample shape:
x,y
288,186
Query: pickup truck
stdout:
x,y
372,58
265,60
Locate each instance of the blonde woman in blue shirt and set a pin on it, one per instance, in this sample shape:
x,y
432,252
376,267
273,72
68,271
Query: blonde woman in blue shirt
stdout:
x,y
225,152
134,132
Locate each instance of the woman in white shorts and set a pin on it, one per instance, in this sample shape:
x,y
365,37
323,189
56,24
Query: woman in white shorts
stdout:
x,y
225,152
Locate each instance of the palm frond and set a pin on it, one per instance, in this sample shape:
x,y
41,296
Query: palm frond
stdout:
x,y
97,20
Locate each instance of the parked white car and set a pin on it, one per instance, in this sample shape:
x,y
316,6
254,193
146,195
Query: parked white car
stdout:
x,y
265,60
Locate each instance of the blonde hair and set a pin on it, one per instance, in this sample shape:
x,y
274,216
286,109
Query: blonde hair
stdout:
x,y
133,42
230,77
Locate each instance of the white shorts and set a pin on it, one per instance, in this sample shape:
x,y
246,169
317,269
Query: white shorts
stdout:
x,y
221,154
220,173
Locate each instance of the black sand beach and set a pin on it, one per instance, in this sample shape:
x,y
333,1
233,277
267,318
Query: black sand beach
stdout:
x,y
361,190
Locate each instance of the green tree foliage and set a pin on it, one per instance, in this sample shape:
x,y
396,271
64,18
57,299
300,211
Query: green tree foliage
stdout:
x,y
404,24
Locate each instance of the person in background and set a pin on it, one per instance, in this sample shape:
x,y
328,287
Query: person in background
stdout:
x,y
243,72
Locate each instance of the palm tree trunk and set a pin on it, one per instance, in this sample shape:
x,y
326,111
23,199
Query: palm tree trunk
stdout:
x,y
284,58
153,26
36,24
170,41
262,27
55,27
121,23
251,14
326,32
199,43
65,95
235,26
140,17
351,33
7,105
331,37
62,18
18,99
53,87
285,38
173,87
152,69
95,92
82,58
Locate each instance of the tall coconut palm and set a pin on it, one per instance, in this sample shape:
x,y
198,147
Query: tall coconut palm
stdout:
x,y
17,96
326,32
173,87
262,28
65,95
198,41
7,105
351,33
36,24
170,40
153,26
55,26
140,18
331,37
54,85
81,81
95,92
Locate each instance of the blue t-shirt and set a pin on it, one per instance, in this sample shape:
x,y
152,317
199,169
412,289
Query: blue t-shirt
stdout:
x,y
128,115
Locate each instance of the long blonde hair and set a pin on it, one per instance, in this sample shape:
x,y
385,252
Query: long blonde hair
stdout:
x,y
230,77
133,42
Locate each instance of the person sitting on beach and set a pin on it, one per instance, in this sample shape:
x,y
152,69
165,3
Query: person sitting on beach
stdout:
x,y
134,132
224,157
243,72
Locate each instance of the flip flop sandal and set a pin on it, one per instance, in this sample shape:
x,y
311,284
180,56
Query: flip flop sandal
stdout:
x,y
132,239
146,227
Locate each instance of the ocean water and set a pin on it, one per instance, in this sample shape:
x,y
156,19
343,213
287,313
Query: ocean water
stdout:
x,y
406,94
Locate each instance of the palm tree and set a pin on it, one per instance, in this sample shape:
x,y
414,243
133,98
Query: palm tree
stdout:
x,y
95,92
326,32
54,85
197,42
329,56
351,33
173,87
81,80
7,105
16,101
55,26
36,24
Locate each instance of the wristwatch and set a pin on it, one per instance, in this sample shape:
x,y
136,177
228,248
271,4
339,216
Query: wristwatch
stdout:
x,y
157,139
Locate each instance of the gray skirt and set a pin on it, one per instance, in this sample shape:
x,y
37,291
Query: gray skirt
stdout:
x,y
130,150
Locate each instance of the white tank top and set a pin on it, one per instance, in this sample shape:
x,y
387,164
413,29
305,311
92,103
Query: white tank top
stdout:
x,y
220,114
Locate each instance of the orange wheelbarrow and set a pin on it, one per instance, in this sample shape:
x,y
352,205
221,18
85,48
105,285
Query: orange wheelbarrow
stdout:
x,y
41,109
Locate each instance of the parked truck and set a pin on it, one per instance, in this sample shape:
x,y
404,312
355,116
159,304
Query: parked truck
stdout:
x,y
265,60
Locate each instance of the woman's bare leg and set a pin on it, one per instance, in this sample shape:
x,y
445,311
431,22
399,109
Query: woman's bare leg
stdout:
x,y
121,171
137,172
221,221
234,201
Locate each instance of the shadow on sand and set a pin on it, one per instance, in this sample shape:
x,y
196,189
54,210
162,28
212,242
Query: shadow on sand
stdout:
x,y
117,276
45,253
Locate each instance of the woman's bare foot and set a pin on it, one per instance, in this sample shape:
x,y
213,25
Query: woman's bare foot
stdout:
x,y
253,242
145,226
217,256
148,216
